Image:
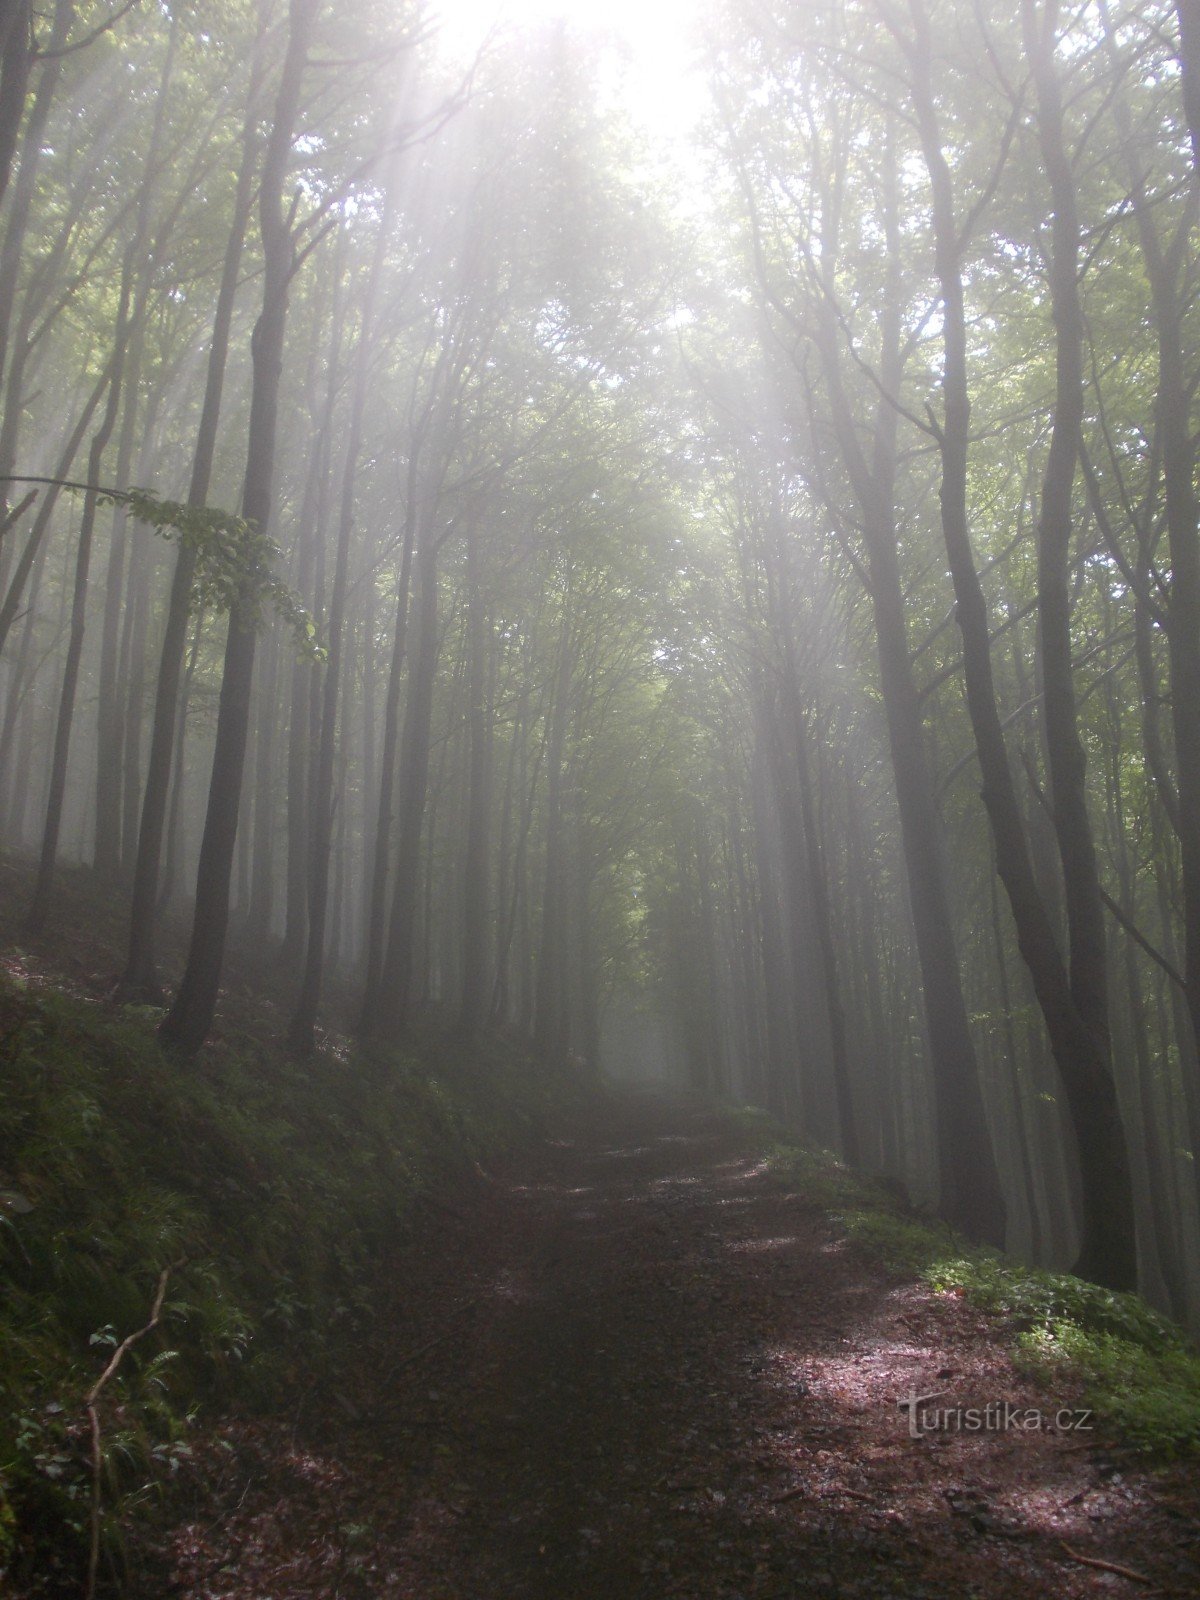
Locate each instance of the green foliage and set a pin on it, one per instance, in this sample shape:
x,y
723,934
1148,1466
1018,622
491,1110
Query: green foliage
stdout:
x,y
281,1185
820,1176
901,1243
1151,1397
1033,1298
235,562
1134,1366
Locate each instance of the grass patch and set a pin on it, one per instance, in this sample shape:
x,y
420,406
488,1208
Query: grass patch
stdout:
x,y
281,1185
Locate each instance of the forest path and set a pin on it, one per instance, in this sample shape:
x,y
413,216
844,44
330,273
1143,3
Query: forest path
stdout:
x,y
641,1367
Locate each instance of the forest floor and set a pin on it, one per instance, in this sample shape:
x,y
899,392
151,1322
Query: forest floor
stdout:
x,y
639,1364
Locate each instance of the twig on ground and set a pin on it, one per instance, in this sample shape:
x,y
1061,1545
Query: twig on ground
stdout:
x,y
93,1416
1107,1566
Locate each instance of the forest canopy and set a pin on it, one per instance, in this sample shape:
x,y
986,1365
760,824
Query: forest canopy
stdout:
x,y
696,566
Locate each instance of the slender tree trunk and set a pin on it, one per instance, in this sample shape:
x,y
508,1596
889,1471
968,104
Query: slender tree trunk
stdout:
x,y
550,1013
173,837
395,996
300,756
970,1192
16,59
779,1027
186,1025
498,1003
260,907
379,863
41,523
138,627
1064,748
1012,1081
110,721
851,1145
1189,60
1165,263
14,775
527,776
1107,1248
475,874
139,981
809,1057
304,1015
70,681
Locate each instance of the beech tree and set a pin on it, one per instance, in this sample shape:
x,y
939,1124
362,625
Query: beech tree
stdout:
x,y
741,630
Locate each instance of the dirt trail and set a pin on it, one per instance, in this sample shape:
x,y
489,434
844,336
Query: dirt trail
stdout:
x,y
641,1368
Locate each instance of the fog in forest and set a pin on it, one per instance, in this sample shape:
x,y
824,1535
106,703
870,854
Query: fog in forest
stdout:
x,y
670,534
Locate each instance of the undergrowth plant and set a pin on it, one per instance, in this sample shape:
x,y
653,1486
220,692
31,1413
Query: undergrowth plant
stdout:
x,y
272,1188
1136,1368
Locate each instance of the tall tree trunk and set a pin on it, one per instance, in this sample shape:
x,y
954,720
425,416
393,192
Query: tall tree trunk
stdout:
x,y
1066,759
300,764
515,917
14,775
1107,1250
16,59
308,1001
475,870
186,1025
851,1145
969,1187
139,981
809,1057
1012,1084
110,719
260,906
1189,60
134,653
395,994
550,1011
1166,261
779,1023
173,836
48,860
11,604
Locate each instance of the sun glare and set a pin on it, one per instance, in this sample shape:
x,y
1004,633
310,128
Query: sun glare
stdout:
x,y
645,47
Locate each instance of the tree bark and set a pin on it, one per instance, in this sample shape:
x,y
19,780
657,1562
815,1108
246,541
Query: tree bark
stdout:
x,y
48,860
395,996
187,1024
1107,1248
1189,60
139,981
550,1038
969,1185
304,1016
475,911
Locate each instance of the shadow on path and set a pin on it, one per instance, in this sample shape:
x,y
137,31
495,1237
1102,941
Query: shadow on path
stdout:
x,y
641,1368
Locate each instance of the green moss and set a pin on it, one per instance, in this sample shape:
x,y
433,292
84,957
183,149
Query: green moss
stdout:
x,y
278,1184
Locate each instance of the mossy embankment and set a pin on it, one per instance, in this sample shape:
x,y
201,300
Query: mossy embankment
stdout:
x,y
1137,1369
273,1190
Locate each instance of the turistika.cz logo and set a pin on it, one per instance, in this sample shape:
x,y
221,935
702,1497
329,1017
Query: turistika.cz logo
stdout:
x,y
998,1416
